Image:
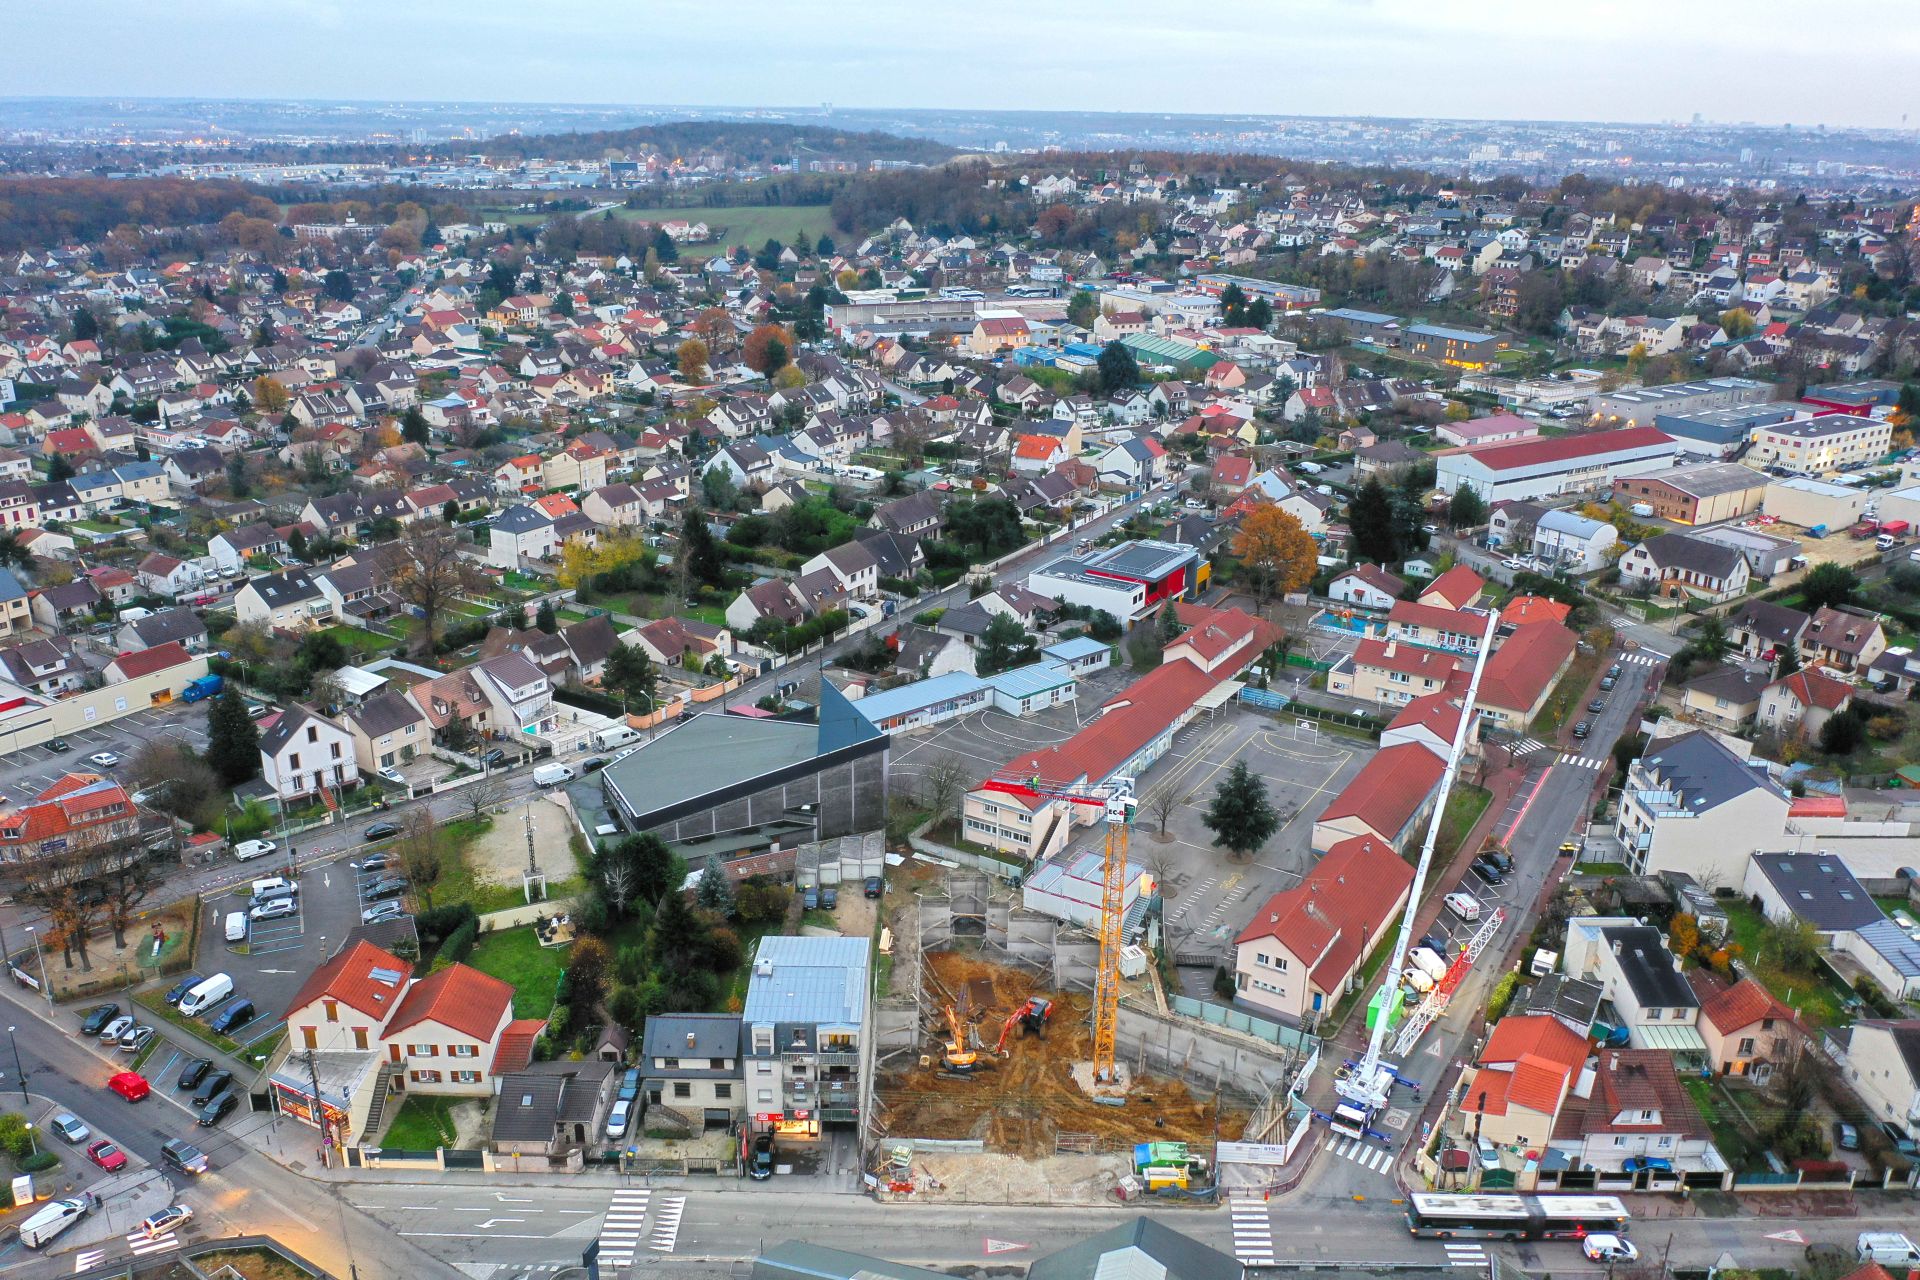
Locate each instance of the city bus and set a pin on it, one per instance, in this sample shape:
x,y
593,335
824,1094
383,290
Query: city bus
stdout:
x,y
1447,1215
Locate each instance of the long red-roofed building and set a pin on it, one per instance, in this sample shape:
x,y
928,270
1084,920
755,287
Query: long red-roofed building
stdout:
x,y
1386,800
1557,465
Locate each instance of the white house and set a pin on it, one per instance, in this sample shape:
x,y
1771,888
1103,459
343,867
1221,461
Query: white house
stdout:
x,y
1573,542
304,752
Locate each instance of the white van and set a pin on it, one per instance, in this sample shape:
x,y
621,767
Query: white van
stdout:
x,y
619,735
552,775
208,993
275,887
236,926
51,1220
1888,1248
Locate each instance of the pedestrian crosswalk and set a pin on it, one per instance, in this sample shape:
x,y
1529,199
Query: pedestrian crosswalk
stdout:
x,y
666,1226
87,1260
1528,746
1647,659
1367,1155
1466,1255
141,1243
1584,762
623,1226
1252,1235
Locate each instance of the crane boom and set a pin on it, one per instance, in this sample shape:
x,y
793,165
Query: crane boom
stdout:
x,y
1364,1084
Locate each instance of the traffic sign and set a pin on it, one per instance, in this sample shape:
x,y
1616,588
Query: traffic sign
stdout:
x,y
1004,1246
1788,1236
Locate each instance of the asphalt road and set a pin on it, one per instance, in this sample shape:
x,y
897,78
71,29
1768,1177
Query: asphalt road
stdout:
x,y
244,1191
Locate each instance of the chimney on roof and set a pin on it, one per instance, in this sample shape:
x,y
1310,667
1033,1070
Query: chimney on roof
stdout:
x,y
1613,1063
689,1039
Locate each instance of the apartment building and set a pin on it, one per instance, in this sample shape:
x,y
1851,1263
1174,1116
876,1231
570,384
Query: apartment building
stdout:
x,y
805,1023
1692,805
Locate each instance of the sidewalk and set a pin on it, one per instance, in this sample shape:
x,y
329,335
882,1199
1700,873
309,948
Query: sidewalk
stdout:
x,y
123,1198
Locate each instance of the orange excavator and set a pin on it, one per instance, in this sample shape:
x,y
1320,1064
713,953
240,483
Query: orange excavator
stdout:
x,y
960,1060
1030,1017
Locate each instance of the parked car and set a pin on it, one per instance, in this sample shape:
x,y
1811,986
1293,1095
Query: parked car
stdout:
x,y
1634,1164
810,898
1613,672
629,1085
592,764
115,1029
237,1014
168,1220
1582,729
1597,705
1499,858
247,849
258,710
393,775
762,1166
385,887
213,1085
1488,873
59,746
70,1128
617,1119
1845,1136
381,831
130,1085
1603,1246
1607,683
183,986
381,912
107,1156
104,759
379,860
98,1017
193,1073
275,909
183,1155
136,1039
829,897
494,758
873,886
217,1107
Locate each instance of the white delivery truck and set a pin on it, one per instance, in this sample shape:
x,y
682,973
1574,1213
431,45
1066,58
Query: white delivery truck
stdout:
x,y
206,995
618,736
53,1218
1888,1248
552,775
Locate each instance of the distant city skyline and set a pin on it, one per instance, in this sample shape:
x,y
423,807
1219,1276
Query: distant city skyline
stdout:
x,y
1613,60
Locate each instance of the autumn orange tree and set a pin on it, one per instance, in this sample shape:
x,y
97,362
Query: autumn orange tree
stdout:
x,y
692,355
768,349
1275,551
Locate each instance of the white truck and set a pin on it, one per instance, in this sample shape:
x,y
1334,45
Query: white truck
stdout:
x,y
552,775
1888,1248
52,1218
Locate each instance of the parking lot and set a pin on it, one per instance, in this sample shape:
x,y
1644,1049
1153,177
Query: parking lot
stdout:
x,y
269,967
26,772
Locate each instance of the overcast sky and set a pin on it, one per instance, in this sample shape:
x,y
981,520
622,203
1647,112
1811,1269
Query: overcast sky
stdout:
x,y
1764,60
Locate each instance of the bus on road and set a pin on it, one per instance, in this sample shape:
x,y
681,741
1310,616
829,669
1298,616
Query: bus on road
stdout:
x,y
1447,1215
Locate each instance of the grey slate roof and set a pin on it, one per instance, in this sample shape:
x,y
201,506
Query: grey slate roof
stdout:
x,y
798,1260
1704,772
1648,966
1819,889
703,1036
1678,551
1139,1249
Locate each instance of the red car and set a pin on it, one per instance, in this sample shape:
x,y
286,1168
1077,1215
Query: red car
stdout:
x,y
107,1156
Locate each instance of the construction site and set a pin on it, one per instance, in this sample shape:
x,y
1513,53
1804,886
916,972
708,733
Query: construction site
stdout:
x,y
986,1049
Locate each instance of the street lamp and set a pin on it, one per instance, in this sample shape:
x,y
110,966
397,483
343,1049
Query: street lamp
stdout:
x,y
18,1069
33,1146
45,990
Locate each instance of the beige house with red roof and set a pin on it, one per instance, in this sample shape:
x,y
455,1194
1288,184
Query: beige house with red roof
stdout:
x,y
1457,588
1747,1031
79,811
1219,640
1634,1107
1436,626
994,334
1304,946
1800,704
376,1029
1385,800
1391,673
1521,673
1529,1066
1367,586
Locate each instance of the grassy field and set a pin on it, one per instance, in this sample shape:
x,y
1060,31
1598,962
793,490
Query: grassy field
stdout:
x,y
1464,808
1816,997
516,957
1566,696
751,225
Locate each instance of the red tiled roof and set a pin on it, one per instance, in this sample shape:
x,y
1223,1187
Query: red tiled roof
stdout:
x,y
1542,1037
1389,789
1816,690
1730,1008
1439,712
1508,455
1457,586
516,1045
1037,447
458,997
1125,725
348,978
1438,617
1524,609
1818,807
1410,659
1212,633
1521,669
144,662
1340,908
1376,577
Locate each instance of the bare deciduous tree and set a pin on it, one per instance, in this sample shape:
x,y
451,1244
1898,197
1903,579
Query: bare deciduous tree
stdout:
x,y
943,785
480,797
1161,802
431,574
420,851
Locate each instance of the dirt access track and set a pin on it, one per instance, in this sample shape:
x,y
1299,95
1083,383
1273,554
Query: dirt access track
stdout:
x,y
1023,1103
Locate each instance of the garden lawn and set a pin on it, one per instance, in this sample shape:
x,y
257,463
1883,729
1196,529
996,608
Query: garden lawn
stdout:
x,y
1734,1145
1813,995
1567,695
361,640
155,1002
516,957
1464,808
421,1124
